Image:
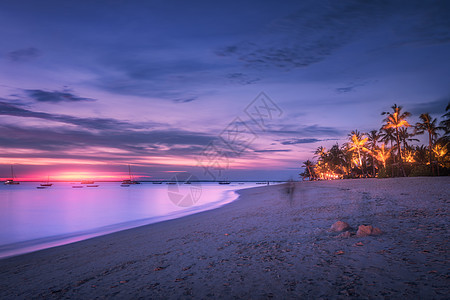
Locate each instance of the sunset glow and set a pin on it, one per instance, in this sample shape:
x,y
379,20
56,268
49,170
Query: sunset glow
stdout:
x,y
245,97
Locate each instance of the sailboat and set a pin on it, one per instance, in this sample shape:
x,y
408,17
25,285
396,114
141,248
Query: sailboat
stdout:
x,y
127,182
47,183
11,181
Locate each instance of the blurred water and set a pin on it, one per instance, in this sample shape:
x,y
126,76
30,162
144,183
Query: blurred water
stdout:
x,y
33,219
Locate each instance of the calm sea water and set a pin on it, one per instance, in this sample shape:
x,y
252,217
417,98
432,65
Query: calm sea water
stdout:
x,y
32,219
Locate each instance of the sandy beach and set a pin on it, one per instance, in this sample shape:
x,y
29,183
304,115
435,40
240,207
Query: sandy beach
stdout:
x,y
264,245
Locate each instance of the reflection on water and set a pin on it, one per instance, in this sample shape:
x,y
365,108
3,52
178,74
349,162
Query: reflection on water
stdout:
x,y
32,219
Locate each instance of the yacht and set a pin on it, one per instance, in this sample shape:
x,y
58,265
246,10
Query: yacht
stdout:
x,y
11,181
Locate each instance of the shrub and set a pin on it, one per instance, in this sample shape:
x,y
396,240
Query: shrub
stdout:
x,y
384,172
420,170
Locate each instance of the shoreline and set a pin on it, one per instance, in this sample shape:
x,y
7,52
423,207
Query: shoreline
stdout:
x,y
42,243
261,245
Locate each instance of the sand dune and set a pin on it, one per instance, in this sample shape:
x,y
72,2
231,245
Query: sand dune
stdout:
x,y
264,245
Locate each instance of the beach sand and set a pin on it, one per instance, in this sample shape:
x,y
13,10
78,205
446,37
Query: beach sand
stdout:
x,y
264,245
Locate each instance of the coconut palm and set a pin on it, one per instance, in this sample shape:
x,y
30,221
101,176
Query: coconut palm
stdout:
x,y
357,144
373,137
445,125
346,158
387,135
428,125
321,152
396,120
406,137
309,165
421,154
441,152
382,154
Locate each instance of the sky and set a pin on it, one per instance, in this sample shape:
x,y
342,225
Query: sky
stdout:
x,y
224,90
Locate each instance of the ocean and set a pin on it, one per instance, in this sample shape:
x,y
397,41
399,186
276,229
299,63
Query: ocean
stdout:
x,y
32,219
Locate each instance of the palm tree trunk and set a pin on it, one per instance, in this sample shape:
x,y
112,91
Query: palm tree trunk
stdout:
x,y
430,149
310,174
393,160
400,153
373,167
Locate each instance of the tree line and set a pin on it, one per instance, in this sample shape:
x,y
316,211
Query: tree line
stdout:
x,y
387,152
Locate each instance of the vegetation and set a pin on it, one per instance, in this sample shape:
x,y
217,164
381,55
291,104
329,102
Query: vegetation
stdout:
x,y
387,152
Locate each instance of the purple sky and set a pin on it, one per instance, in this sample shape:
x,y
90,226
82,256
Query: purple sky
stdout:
x,y
87,87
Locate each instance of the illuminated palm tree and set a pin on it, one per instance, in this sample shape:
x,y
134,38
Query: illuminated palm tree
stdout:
x,y
428,124
441,152
388,136
396,120
357,144
382,154
346,158
373,138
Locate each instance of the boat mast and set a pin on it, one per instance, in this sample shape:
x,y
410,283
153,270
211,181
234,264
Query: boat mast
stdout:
x,y
12,172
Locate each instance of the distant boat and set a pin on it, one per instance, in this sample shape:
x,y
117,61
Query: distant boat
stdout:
x,y
224,182
92,185
131,180
41,187
87,182
77,186
11,181
124,185
47,183
157,182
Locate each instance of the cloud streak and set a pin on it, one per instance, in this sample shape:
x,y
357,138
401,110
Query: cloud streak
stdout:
x,y
65,95
24,55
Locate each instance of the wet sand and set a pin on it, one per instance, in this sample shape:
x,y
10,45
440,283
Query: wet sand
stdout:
x,y
264,245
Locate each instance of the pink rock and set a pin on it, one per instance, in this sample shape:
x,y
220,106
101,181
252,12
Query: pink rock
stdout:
x,y
345,234
377,231
339,226
364,230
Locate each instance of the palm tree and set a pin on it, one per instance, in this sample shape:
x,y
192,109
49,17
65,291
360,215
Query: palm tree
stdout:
x,y
373,137
396,120
445,124
382,154
406,137
321,152
388,136
357,143
309,165
336,158
428,124
441,151
346,158
420,154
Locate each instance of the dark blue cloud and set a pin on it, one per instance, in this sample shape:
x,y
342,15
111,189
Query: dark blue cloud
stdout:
x,y
55,96
308,131
22,55
300,141
309,35
273,150
436,107
8,109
